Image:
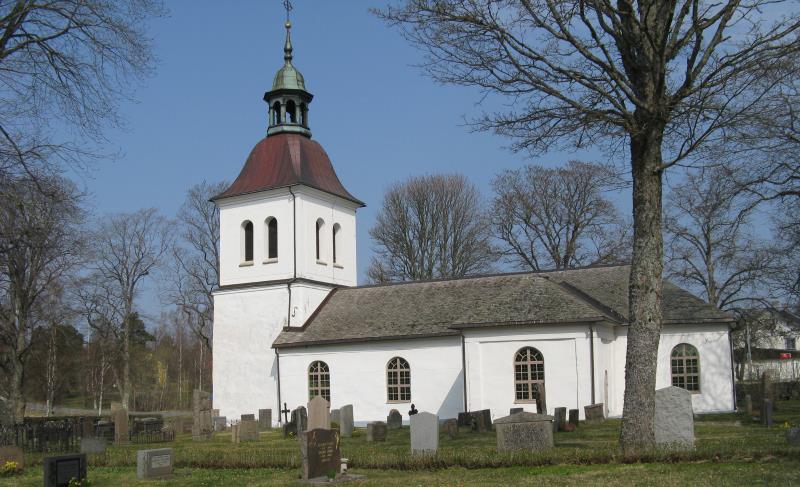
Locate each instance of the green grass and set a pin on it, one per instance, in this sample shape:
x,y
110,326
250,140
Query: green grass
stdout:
x,y
731,449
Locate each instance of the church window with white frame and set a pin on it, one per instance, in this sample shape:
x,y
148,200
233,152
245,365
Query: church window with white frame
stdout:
x,y
529,376
398,380
271,242
319,380
247,241
685,367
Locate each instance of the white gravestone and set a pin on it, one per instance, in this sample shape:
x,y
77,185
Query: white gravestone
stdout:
x,y
674,421
424,433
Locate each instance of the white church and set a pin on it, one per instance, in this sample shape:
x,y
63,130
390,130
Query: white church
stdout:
x,y
290,321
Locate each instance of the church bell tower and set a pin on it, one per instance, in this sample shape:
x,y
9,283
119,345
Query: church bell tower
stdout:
x,y
287,238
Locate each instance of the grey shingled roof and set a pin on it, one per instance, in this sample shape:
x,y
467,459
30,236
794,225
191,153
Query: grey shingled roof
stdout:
x,y
441,308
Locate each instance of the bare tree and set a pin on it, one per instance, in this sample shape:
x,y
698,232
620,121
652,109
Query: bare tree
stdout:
x,y
39,243
559,218
709,243
196,258
430,227
67,62
663,78
126,249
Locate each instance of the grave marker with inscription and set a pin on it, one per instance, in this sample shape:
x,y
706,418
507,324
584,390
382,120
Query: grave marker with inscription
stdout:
x,y
673,422
394,420
265,419
12,454
319,414
376,431
154,464
59,470
346,421
524,431
424,433
319,449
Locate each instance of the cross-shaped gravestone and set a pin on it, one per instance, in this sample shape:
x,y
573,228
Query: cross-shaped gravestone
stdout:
x,y
285,412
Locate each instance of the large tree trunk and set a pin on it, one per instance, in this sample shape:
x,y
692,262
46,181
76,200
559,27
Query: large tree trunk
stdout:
x,y
125,387
644,294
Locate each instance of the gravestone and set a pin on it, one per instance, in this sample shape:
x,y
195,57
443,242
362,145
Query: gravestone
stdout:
x,y
87,427
248,430
524,431
300,419
465,419
12,454
93,445
235,433
154,464
248,417
346,421
451,428
6,418
265,419
59,470
121,431
574,417
220,423
176,425
481,420
673,422
394,420
202,426
748,404
766,413
319,449
793,436
515,410
424,433
319,414
335,416
559,419
376,431
594,412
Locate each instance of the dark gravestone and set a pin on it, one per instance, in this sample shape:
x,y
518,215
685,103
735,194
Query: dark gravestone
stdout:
x,y
154,464
248,417
319,449
559,419
766,413
464,419
87,427
376,431
264,419
394,420
574,416
121,431
594,412
12,454
482,420
58,471
748,404
451,428
515,410
300,419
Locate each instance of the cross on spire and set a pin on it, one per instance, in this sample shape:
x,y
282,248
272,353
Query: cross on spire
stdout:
x,y
288,6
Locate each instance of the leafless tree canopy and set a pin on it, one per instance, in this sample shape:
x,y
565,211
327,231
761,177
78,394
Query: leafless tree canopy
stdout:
x,y
710,246
559,218
430,227
71,62
39,243
668,79
196,257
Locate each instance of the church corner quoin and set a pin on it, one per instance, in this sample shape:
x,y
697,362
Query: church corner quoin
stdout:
x,y
291,322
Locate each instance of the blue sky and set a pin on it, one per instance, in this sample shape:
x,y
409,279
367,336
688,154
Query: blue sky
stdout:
x,y
379,118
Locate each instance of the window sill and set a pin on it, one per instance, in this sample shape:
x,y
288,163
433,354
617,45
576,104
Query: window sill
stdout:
x,y
338,266
525,401
248,263
321,262
399,402
270,261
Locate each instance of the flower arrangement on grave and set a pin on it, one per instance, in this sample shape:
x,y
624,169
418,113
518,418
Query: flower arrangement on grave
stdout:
x,y
73,482
789,424
10,468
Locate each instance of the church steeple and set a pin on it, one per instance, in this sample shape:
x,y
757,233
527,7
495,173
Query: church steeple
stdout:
x,y
288,99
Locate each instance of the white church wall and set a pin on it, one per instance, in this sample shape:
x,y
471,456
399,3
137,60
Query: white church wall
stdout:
x,y
306,297
246,322
490,366
358,376
711,341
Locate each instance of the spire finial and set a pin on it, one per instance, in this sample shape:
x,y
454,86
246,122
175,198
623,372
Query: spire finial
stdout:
x,y
287,47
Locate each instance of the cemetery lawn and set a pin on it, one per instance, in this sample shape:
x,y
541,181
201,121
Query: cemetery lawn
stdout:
x,y
732,449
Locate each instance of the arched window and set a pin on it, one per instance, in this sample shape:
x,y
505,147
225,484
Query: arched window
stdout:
x,y
276,113
272,238
398,380
685,364
529,377
247,241
303,115
320,226
337,230
319,381
291,113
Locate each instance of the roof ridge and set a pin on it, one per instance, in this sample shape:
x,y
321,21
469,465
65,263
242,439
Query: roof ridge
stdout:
x,y
590,300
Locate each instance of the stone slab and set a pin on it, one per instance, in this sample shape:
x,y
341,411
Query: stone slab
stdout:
x,y
559,419
121,426
450,427
515,410
673,422
248,430
93,445
319,414
202,425
574,417
346,421
12,454
248,417
265,419
220,423
154,464
376,431
793,436
424,433
320,453
766,413
594,412
59,470
394,420
335,416
524,431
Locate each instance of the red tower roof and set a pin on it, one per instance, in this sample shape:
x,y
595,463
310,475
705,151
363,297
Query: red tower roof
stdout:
x,y
287,159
